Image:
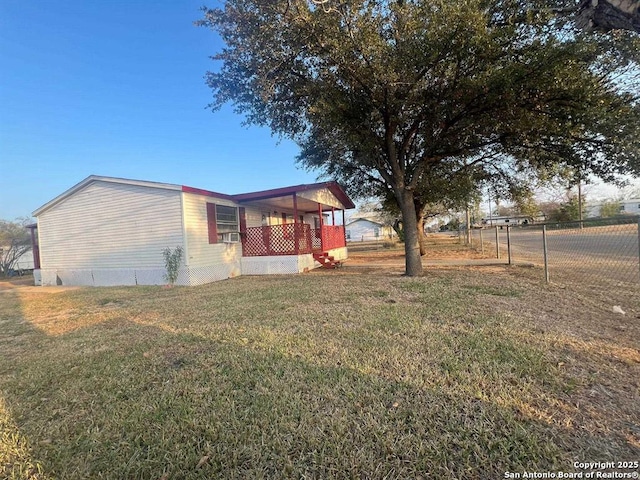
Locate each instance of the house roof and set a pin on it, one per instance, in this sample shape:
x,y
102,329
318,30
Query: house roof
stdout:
x,y
353,220
334,187
373,217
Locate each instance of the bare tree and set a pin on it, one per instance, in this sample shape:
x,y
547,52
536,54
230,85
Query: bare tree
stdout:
x,y
14,242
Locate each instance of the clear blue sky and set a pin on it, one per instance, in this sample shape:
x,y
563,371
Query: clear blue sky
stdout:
x,y
117,89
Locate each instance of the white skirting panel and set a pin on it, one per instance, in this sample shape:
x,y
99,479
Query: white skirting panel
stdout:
x,y
339,253
111,277
277,265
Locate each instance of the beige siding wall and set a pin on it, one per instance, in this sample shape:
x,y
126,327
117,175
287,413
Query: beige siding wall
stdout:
x,y
108,225
254,216
200,253
323,196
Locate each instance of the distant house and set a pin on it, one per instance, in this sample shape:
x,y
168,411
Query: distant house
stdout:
x,y
111,231
501,221
368,226
627,207
23,262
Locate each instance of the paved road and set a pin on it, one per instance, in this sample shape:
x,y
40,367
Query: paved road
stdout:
x,y
574,243
599,252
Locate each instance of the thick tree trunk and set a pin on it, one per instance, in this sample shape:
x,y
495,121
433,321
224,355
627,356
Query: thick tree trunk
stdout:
x,y
413,261
610,15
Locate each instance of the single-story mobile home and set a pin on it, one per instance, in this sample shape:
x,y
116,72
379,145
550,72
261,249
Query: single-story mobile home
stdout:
x,y
112,231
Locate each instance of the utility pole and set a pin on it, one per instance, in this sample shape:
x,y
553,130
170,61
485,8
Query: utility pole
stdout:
x,y
468,220
580,202
490,214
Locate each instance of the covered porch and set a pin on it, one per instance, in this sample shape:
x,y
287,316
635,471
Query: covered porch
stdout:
x,y
293,221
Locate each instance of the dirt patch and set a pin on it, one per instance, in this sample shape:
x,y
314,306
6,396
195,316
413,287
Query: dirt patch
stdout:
x,y
439,248
25,284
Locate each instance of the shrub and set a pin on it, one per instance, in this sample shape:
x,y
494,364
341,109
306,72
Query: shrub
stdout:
x,y
172,263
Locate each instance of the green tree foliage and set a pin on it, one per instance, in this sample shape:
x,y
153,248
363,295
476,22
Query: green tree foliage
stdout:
x,y
15,241
568,211
610,208
390,94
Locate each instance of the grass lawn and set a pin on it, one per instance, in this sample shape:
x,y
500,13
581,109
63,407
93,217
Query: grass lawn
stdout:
x,y
463,373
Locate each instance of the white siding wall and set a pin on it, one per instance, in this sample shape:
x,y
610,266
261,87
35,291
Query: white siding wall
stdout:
x,y
108,225
207,262
254,215
631,207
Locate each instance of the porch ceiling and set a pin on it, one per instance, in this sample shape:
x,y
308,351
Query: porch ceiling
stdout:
x,y
286,203
327,194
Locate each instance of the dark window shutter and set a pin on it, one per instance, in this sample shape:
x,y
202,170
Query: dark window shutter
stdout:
x,y
243,219
211,222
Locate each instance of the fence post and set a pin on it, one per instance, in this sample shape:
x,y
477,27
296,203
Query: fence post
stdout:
x,y
482,242
544,252
509,243
639,243
497,243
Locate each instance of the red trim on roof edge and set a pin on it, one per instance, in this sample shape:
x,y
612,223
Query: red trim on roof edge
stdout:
x,y
207,193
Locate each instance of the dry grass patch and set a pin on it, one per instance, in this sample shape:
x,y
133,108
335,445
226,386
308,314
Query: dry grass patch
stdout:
x,y
460,374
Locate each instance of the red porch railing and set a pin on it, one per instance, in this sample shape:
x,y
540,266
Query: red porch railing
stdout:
x,y
277,240
331,236
290,239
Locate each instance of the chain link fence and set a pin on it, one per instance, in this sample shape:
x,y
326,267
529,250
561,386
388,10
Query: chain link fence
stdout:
x,y
603,253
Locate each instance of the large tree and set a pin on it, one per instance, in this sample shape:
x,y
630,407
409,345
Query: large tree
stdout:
x,y
388,92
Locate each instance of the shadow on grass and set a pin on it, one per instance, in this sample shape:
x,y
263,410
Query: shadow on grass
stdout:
x,y
118,399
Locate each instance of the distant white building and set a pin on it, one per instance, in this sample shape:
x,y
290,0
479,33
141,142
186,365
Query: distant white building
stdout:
x,y
363,227
25,261
627,207
500,221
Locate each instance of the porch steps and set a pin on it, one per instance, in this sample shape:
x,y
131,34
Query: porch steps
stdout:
x,y
326,260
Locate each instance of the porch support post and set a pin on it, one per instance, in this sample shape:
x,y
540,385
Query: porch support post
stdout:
x,y
296,236
321,229
333,216
344,229
35,248
295,207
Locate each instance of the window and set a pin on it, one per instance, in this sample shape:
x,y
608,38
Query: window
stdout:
x,y
220,220
226,220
